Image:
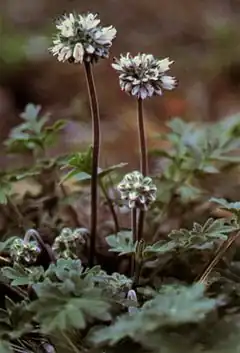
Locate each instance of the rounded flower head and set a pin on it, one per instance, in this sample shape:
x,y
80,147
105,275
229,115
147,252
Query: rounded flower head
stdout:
x,y
67,244
24,252
139,191
143,75
81,37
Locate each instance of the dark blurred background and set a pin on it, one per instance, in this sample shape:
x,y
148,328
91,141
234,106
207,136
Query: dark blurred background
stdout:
x,y
201,36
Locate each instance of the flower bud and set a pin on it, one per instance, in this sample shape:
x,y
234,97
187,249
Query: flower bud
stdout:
x,y
24,252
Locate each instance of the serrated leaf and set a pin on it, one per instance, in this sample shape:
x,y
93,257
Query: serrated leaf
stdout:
x,y
230,159
172,307
121,243
161,247
59,310
82,171
202,236
211,169
21,276
58,125
109,170
31,112
225,204
162,153
188,193
64,266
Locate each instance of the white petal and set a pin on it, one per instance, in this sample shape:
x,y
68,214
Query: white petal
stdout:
x,y
163,65
66,28
128,87
71,18
143,93
150,89
78,52
106,35
135,90
117,67
168,82
132,204
158,92
90,49
56,41
136,81
89,22
65,54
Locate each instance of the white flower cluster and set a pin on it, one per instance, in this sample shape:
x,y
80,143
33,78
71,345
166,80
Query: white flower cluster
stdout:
x,y
143,75
81,37
67,243
24,252
139,191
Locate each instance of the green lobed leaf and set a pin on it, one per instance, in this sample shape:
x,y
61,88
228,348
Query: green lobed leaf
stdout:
x,y
170,308
57,309
21,275
202,236
121,243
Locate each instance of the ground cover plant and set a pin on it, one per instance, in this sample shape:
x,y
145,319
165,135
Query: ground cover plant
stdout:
x,y
73,278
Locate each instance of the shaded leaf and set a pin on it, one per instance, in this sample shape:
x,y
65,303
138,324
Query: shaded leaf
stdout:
x,y
5,347
121,243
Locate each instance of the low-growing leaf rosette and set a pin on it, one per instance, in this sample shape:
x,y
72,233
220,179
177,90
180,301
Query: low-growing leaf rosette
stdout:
x,y
82,38
143,75
139,191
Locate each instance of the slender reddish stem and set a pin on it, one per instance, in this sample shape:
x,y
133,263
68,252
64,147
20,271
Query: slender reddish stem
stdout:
x,y
142,139
144,159
95,158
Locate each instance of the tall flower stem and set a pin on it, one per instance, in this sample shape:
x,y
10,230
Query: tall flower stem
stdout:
x,y
134,234
144,159
95,158
142,139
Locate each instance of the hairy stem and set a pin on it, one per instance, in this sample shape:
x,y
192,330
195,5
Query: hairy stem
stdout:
x,y
134,234
32,233
217,257
110,205
95,158
144,159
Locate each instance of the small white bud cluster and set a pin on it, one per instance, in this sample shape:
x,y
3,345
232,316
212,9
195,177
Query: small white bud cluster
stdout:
x,y
139,191
24,252
81,37
67,244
